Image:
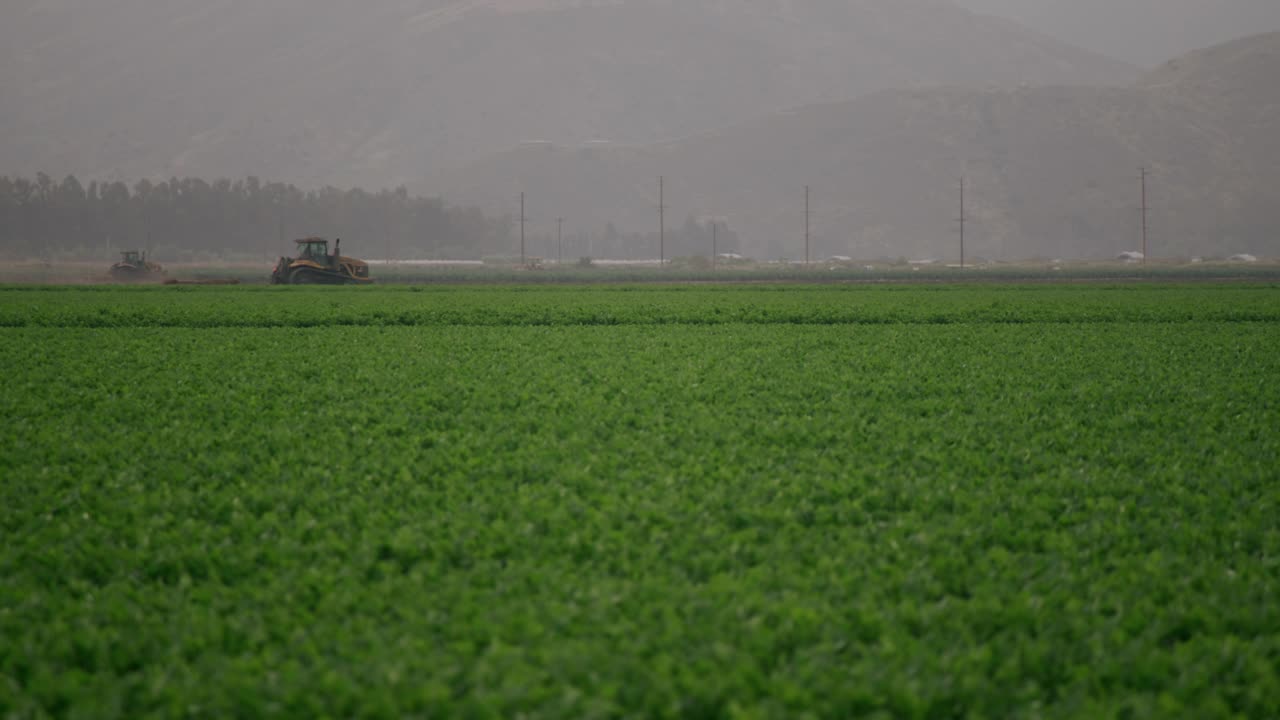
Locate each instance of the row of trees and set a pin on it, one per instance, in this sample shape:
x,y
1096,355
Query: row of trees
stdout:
x,y
191,219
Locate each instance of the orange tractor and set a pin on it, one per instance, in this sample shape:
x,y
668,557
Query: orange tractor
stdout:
x,y
315,266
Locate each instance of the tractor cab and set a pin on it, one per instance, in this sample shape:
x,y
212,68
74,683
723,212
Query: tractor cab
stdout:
x,y
314,249
133,265
315,266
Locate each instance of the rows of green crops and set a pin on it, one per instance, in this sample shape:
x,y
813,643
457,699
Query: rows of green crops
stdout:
x,y
648,502
289,307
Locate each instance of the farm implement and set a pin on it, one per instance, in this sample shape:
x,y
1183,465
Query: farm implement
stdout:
x,y
315,266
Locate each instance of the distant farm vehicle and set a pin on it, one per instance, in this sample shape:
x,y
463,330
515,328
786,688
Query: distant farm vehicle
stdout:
x,y
134,266
315,266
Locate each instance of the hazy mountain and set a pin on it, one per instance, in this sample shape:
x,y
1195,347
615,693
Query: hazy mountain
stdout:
x,y
1145,32
1051,171
387,92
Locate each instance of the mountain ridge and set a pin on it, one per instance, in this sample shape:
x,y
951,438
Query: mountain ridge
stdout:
x,y
1052,171
1143,32
386,94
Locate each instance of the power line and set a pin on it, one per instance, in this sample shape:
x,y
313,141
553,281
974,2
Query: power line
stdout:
x,y
963,220
715,225
559,241
662,222
1143,173
806,225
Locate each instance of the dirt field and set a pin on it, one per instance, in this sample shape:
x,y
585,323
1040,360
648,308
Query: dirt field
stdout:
x,y
438,272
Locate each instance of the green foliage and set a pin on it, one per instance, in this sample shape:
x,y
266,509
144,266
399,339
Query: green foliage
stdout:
x,y
192,219
552,305
671,502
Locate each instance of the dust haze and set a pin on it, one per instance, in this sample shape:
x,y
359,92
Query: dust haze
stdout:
x,y
416,125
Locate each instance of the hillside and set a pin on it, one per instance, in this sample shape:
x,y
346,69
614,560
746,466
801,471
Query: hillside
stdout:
x,y
1144,32
1235,80
384,93
1051,171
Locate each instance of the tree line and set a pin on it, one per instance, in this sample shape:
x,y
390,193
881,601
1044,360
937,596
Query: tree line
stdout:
x,y
192,219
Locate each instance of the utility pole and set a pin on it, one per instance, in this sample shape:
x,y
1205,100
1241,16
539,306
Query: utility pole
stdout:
x,y
806,225
715,226
559,241
279,233
523,262
1143,176
963,220
662,222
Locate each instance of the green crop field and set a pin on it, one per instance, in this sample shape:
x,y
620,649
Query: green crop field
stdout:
x,y
641,501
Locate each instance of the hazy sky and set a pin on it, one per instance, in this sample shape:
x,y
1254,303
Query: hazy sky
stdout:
x,y
1145,32
877,103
